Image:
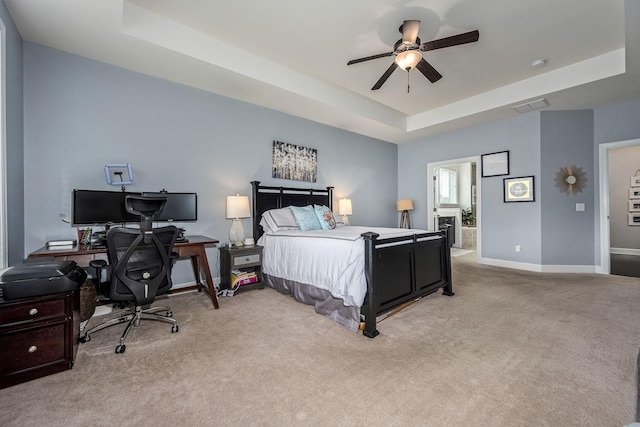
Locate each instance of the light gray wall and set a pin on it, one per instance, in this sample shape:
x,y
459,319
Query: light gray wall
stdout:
x,y
14,160
81,114
504,225
623,164
566,138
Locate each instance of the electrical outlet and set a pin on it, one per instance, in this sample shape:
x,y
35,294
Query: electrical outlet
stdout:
x,y
518,248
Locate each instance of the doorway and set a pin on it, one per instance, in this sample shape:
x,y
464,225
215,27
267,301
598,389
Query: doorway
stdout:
x,y
453,203
617,255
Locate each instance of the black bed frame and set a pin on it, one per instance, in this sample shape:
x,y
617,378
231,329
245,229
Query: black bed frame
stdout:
x,y
398,270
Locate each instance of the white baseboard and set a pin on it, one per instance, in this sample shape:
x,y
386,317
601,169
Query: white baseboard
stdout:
x,y
510,264
624,251
178,286
538,267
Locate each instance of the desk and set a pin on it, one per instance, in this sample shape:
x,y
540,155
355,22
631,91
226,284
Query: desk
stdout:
x,y
193,249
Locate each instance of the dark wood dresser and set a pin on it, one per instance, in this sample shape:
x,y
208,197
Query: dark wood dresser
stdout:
x,y
38,336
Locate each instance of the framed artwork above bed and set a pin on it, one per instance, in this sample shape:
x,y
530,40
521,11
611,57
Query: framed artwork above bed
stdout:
x,y
291,161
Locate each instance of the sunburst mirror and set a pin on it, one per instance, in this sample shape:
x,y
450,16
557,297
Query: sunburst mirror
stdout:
x,y
570,179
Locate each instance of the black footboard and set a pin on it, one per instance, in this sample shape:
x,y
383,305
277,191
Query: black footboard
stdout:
x,y
402,269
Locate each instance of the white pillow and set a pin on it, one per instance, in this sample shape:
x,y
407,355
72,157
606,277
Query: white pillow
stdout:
x,y
278,219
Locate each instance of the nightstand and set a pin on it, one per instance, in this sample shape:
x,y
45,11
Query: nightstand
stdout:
x,y
245,259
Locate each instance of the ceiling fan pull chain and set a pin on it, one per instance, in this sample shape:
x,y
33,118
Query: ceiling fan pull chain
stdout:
x,y
407,81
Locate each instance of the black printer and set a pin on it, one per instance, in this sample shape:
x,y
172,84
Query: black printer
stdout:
x,y
40,278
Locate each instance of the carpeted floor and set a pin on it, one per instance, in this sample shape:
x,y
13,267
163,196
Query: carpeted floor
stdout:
x,y
511,348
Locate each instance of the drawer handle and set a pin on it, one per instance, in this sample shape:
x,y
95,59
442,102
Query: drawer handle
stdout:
x,y
33,311
32,349
247,259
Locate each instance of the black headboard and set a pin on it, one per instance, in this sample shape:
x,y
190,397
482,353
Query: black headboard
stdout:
x,y
271,197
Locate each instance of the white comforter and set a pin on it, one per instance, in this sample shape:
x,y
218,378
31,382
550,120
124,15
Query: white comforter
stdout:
x,y
328,259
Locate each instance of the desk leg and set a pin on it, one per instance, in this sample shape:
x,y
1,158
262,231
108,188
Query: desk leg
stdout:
x,y
202,256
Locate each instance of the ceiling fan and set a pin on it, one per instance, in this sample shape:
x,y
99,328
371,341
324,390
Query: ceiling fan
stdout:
x,y
408,52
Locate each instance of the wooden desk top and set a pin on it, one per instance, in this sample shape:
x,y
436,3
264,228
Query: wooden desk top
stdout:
x,y
88,250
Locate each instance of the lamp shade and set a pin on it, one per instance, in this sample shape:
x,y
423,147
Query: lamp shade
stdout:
x,y
238,207
404,205
344,206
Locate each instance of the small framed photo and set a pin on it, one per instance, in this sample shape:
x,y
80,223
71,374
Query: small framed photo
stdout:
x,y
634,218
519,189
635,181
634,205
634,193
495,164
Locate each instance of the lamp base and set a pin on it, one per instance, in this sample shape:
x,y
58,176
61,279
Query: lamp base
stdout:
x,y
236,233
345,219
405,221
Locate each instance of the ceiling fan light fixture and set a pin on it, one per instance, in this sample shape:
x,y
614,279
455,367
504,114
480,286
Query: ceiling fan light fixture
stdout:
x,y
408,59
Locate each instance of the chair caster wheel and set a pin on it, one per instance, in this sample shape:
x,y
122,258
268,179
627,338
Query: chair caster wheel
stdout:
x,y
169,314
85,339
121,348
174,329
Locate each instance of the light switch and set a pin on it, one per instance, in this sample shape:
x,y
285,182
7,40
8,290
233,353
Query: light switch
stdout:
x,y
579,207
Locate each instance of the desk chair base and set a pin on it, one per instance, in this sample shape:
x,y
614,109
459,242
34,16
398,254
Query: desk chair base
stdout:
x,y
133,318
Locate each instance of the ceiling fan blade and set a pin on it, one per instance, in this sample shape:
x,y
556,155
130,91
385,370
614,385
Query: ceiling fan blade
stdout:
x,y
385,76
429,72
369,58
470,37
409,31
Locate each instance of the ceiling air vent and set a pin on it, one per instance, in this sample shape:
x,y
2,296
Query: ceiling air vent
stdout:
x,y
532,105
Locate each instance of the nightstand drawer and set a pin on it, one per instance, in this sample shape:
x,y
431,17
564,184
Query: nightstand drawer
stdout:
x,y
243,260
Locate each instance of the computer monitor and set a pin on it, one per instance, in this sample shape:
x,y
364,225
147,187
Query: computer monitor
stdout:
x,y
96,207
180,207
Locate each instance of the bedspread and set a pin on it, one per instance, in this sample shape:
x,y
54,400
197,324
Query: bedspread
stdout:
x,y
328,259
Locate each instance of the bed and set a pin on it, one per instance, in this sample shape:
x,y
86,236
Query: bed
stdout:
x,y
354,275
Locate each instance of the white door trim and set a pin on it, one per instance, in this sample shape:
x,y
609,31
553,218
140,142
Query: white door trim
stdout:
x,y
605,237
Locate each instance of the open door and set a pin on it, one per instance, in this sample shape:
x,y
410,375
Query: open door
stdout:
x,y
454,202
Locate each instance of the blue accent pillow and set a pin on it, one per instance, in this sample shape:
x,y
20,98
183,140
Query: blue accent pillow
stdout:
x,y
325,217
306,218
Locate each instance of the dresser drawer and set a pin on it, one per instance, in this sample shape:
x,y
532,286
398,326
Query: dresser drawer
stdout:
x,y
32,348
11,314
244,260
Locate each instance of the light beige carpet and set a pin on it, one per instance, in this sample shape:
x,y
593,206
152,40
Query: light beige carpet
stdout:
x,y
511,348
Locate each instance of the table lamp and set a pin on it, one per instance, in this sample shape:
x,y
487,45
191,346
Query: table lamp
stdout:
x,y
344,209
237,208
404,206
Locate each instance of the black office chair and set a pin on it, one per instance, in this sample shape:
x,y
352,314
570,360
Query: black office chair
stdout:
x,y
140,262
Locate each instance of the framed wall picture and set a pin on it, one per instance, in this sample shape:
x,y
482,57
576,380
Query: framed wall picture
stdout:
x,y
634,205
634,193
495,164
634,218
635,181
519,189
291,161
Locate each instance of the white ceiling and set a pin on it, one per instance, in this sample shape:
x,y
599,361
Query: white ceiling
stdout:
x,y
291,55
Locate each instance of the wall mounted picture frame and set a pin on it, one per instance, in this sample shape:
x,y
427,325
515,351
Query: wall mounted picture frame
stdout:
x,y
634,193
634,218
520,189
291,161
495,164
634,205
635,181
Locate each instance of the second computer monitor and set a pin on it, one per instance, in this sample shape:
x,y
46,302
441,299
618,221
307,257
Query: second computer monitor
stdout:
x,y
180,207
